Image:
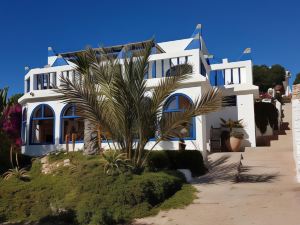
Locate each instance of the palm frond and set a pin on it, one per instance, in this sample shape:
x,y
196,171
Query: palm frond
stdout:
x,y
174,122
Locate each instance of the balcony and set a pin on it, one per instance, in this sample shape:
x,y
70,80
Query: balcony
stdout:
x,y
231,73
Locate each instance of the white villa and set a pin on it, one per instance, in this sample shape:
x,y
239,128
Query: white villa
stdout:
x,y
46,120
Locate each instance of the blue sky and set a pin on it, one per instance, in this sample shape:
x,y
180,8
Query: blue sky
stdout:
x,y
27,28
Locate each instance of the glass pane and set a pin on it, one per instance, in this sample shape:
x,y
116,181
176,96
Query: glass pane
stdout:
x,y
184,103
46,81
42,131
73,129
172,103
38,112
69,111
48,112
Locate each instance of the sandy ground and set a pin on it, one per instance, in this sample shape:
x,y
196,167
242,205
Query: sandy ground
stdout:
x,y
267,193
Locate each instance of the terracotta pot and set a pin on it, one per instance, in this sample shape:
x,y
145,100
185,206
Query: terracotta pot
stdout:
x,y
233,144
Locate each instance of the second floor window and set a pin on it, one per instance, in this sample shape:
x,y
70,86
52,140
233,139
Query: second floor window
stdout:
x,y
45,81
42,81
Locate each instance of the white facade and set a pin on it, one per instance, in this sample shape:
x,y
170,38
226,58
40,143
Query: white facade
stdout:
x,y
235,78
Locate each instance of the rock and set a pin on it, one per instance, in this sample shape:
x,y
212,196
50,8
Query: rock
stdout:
x,y
187,173
67,162
44,160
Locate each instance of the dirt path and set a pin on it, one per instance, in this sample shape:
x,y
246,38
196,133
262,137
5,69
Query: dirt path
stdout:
x,y
267,193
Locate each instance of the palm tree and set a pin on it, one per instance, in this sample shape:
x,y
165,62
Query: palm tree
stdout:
x,y
113,95
3,100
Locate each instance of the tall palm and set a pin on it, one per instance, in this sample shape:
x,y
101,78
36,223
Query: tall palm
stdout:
x,y
113,95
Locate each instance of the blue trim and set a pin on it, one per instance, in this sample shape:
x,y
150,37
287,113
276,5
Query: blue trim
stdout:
x,y
176,109
42,106
62,117
60,61
194,44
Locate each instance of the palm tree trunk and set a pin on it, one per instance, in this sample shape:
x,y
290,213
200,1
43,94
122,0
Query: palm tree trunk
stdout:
x,y
73,141
67,142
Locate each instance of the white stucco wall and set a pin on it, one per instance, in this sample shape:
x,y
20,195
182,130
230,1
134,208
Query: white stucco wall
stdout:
x,y
244,110
192,87
296,134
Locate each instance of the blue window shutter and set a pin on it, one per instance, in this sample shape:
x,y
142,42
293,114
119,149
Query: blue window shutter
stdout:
x,y
220,78
154,69
212,78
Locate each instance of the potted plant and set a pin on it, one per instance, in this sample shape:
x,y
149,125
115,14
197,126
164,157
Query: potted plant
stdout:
x,y
234,141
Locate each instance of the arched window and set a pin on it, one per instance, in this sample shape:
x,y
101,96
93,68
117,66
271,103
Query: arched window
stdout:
x,y
42,125
178,103
24,127
72,125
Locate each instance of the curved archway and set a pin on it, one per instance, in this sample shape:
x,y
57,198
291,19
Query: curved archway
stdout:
x,y
178,103
72,125
42,125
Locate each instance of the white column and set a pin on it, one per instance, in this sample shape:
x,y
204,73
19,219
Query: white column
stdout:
x,y
52,79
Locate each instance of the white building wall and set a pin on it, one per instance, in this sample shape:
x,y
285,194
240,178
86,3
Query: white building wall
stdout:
x,y
243,110
245,105
296,134
193,87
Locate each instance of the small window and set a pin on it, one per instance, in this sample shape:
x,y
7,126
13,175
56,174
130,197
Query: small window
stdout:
x,y
177,104
72,125
229,101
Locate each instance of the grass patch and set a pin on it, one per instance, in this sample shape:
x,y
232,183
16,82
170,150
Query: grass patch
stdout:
x,y
84,194
180,199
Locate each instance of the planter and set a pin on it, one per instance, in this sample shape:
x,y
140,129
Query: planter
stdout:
x,y
233,144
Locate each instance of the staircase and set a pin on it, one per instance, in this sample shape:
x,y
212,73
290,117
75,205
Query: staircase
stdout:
x,y
274,160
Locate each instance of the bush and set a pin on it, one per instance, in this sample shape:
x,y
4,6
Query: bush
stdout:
x,y
87,195
170,159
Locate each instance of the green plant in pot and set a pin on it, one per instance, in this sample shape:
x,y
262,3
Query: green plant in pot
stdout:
x,y
234,141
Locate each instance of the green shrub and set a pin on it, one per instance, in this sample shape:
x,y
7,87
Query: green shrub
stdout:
x,y
158,160
170,159
87,195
